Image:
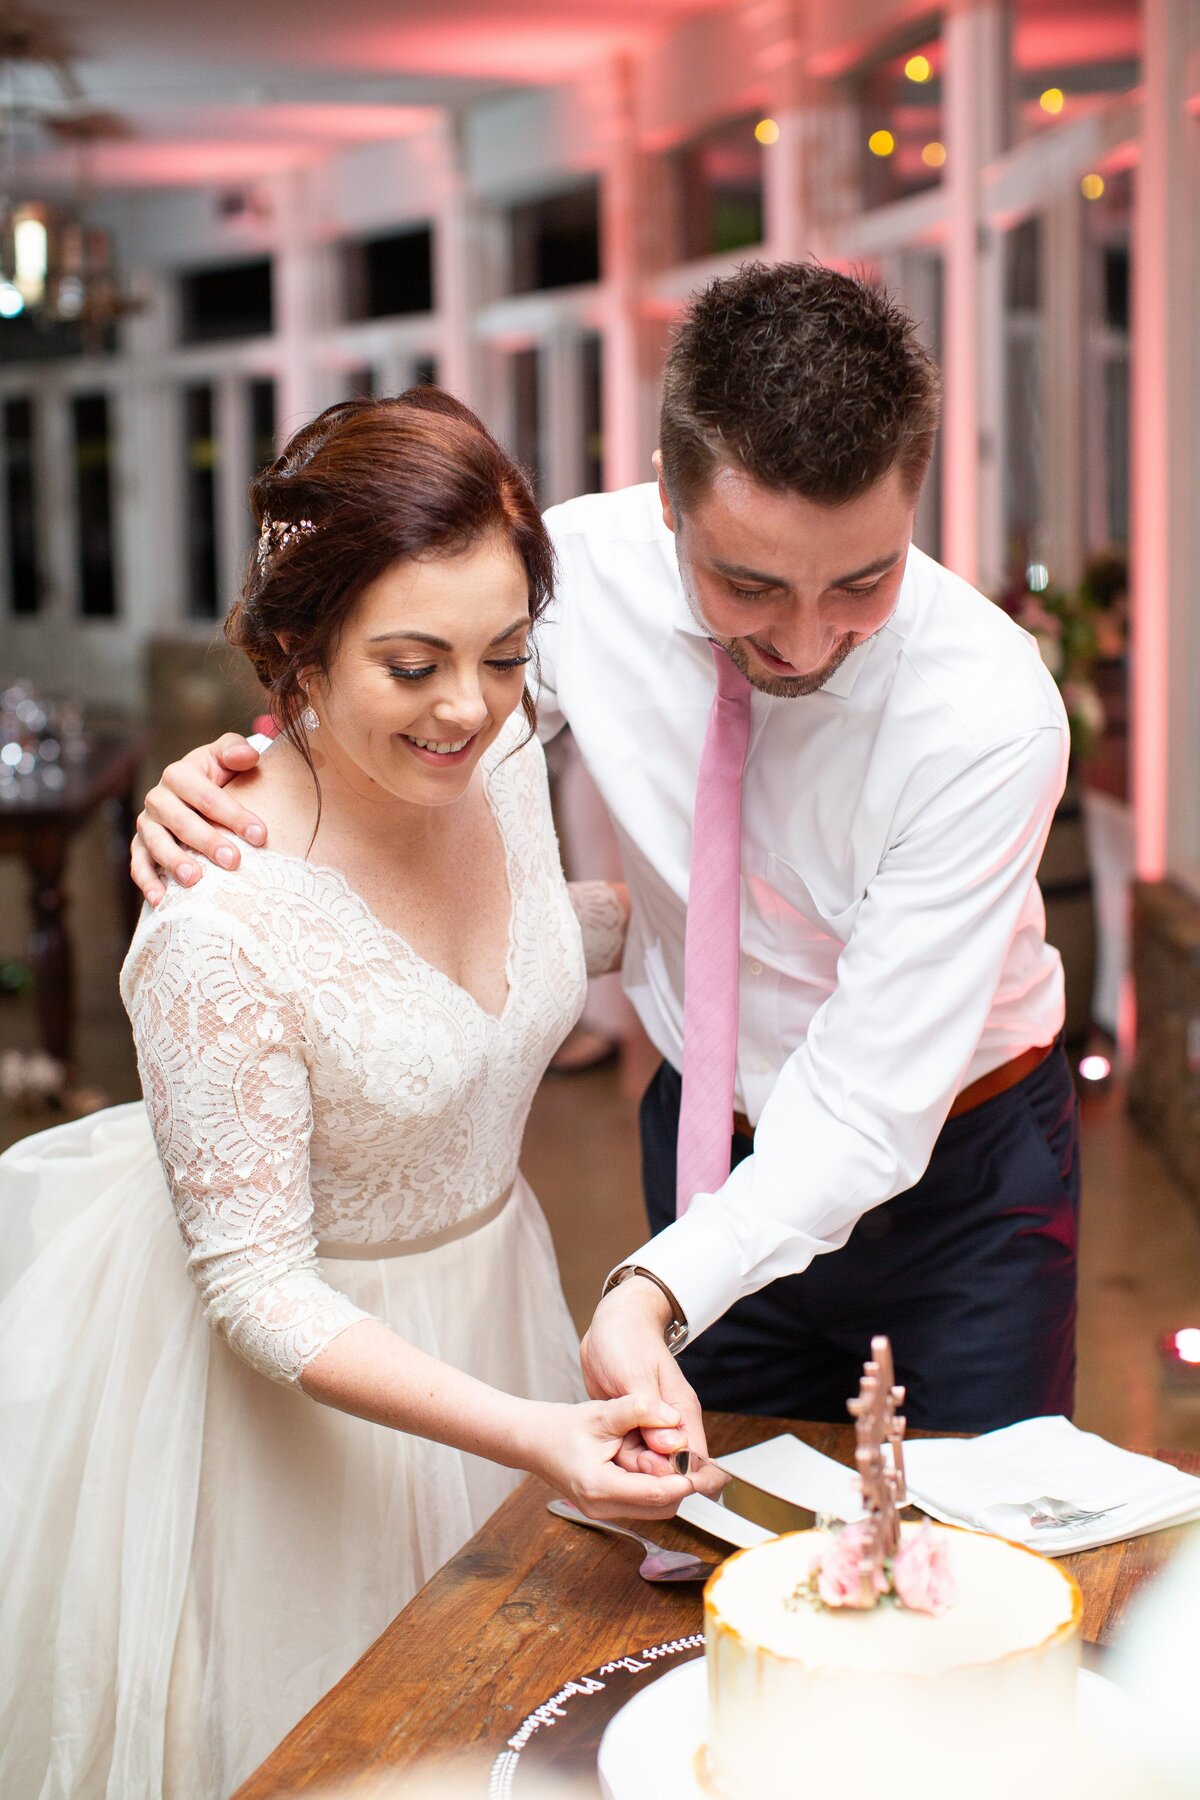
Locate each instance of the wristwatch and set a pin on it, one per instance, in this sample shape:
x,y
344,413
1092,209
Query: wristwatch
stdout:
x,y
675,1334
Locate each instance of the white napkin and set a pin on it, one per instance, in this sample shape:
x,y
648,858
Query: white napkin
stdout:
x,y
988,1482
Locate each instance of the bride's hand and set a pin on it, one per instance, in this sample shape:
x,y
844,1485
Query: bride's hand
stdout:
x,y
574,1449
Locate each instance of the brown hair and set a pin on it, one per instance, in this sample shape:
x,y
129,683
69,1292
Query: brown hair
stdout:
x,y
812,381
367,484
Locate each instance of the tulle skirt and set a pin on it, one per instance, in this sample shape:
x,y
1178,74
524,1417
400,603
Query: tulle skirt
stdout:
x,y
191,1555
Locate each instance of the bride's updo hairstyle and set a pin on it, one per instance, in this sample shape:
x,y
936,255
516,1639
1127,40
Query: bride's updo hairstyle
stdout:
x,y
367,484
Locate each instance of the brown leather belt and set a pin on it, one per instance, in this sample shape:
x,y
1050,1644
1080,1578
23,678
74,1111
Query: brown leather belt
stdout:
x,y
996,1081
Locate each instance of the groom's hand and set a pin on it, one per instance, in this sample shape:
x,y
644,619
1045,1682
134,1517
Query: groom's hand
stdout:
x,y
182,811
623,1352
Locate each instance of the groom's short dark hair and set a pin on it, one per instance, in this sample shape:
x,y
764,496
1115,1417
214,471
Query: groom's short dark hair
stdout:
x,y
812,381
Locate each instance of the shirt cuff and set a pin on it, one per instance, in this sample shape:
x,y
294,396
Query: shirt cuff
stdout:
x,y
700,1260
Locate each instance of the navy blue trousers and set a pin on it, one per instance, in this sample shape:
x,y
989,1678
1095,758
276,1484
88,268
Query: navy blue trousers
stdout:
x,y
971,1273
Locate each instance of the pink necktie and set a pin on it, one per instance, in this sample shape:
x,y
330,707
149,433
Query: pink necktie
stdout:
x,y
711,944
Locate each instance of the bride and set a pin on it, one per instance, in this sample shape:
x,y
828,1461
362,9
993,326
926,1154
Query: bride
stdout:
x,y
201,1529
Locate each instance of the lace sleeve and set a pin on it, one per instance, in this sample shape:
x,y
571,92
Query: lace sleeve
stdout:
x,y
603,918
221,1052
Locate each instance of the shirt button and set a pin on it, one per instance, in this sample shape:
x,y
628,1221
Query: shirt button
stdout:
x,y
756,968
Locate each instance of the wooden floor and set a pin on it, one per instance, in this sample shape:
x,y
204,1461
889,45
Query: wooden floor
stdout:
x,y
1140,1261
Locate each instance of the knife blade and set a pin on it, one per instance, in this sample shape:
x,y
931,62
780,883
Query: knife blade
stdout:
x,y
743,1497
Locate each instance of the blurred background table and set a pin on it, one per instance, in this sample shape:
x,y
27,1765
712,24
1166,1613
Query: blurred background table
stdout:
x,y
531,1603
37,824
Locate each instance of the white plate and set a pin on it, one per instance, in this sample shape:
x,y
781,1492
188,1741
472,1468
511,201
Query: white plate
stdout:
x,y
653,1744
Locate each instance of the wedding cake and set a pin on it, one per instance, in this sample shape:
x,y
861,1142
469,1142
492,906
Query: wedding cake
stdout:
x,y
978,1689
879,1658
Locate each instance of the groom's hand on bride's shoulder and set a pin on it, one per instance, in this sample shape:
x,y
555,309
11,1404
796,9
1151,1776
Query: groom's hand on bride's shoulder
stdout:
x,y
188,812
623,1352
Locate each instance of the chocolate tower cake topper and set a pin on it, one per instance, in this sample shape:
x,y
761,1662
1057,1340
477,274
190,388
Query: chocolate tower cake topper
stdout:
x,y
878,1422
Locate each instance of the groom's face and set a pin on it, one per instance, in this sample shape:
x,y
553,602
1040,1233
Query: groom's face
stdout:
x,y
788,585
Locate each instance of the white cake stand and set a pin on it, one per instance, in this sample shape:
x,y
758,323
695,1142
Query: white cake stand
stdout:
x,y
655,1743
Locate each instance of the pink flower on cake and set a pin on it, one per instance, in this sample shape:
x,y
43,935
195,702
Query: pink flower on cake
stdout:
x,y
922,1577
841,1568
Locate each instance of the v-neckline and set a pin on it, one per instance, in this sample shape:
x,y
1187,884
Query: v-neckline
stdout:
x,y
489,767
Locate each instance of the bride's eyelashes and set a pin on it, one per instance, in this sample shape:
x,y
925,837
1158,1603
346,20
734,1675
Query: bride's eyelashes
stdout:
x,y
508,662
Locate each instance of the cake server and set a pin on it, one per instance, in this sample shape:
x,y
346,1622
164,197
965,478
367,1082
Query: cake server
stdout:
x,y
658,1564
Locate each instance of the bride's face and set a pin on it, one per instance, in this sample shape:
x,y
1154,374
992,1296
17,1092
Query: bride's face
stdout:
x,y
430,664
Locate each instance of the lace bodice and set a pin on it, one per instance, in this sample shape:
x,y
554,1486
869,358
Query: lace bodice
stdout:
x,y
310,1078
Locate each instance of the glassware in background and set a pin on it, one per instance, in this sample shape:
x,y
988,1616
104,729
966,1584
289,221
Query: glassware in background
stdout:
x,y
41,737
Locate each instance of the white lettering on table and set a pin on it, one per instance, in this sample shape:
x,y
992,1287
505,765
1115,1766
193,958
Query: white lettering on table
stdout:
x,y
552,1709
555,1708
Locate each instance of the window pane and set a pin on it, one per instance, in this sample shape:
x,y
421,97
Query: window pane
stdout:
x,y
425,372
261,396
718,180
593,434
389,276
902,132
1070,61
93,497
229,302
526,377
359,384
555,242
1024,500
19,506
200,502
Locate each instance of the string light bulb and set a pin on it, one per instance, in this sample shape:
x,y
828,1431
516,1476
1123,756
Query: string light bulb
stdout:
x,y
918,68
1092,186
934,155
767,131
1052,101
881,143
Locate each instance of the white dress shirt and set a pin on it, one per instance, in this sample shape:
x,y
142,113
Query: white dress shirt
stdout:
x,y
892,930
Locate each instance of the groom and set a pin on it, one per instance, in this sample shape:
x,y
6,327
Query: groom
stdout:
x,y
832,766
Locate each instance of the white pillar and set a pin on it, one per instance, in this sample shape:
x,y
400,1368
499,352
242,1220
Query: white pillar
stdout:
x,y
629,423
468,272
977,86
1165,518
812,175
302,303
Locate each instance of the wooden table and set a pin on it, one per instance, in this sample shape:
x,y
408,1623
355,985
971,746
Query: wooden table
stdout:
x,y
531,1603
38,827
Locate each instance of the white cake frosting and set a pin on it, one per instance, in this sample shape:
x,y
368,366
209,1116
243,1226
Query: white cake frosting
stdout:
x,y
793,1683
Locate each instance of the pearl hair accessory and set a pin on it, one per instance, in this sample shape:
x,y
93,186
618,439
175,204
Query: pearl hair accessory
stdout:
x,y
275,535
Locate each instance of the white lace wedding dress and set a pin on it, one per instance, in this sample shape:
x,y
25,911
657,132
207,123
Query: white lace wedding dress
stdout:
x,y
191,1550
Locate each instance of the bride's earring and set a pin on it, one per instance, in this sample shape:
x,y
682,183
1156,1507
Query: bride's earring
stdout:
x,y
309,719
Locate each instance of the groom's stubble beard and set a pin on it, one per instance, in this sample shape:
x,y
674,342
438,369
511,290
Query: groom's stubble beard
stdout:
x,y
787,687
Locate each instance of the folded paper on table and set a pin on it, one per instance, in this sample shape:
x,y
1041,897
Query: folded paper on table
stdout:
x,y
986,1483
787,1468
